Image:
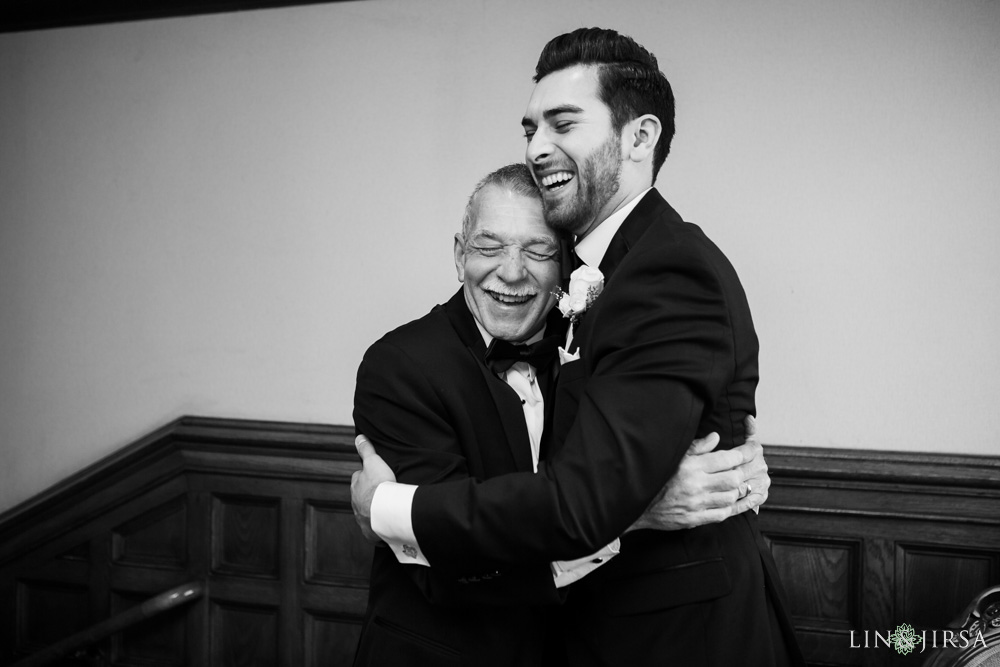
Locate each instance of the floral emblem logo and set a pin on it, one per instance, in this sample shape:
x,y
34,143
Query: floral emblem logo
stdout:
x,y
904,639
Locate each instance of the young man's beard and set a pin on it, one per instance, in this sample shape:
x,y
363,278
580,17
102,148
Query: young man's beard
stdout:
x,y
596,183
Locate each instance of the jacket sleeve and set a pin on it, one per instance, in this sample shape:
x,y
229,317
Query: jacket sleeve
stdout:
x,y
660,351
402,412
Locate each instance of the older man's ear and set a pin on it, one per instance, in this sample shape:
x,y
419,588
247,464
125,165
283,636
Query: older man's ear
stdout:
x,y
459,251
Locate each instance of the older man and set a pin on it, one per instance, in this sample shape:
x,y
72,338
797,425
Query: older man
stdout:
x,y
443,400
667,352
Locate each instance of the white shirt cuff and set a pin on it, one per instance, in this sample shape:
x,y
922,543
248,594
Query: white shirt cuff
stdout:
x,y
392,521
565,572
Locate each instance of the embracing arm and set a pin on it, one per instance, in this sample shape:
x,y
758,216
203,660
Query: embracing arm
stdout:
x,y
708,487
665,352
711,486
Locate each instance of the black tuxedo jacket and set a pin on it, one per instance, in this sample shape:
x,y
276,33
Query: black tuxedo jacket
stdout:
x,y
436,413
668,353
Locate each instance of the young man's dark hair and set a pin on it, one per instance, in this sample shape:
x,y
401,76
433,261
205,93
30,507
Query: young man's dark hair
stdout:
x,y
630,81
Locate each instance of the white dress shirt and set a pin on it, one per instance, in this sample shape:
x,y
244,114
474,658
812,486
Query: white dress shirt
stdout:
x,y
523,379
592,247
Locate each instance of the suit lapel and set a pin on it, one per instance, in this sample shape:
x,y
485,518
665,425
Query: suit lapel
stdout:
x,y
505,399
511,416
555,324
651,207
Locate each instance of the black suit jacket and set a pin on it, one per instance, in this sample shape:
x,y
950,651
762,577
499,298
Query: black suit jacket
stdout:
x,y
435,412
668,353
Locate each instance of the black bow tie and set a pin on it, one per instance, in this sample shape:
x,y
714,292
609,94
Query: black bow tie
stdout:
x,y
501,355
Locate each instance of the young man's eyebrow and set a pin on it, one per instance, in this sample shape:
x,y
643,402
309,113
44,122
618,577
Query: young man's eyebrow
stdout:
x,y
554,111
565,108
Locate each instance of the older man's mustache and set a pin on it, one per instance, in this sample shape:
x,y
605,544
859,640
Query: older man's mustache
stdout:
x,y
505,294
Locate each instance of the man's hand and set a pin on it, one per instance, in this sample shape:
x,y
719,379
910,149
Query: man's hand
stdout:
x,y
374,471
710,487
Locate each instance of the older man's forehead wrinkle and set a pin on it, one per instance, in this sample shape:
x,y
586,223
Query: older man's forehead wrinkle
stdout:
x,y
485,234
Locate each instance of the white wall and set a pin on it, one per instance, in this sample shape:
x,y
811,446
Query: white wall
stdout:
x,y
216,215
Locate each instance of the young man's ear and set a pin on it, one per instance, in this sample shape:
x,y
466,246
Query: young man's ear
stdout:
x,y
643,135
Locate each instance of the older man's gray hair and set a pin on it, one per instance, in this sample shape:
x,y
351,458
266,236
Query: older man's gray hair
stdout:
x,y
514,178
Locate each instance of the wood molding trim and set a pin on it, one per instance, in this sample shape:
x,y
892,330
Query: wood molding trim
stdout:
x,y
902,485
258,449
954,470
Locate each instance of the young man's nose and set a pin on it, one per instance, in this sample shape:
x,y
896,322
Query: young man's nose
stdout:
x,y
539,148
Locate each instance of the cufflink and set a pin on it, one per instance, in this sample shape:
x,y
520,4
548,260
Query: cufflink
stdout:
x,y
409,550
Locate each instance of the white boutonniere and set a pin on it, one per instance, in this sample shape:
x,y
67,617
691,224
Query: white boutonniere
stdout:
x,y
585,285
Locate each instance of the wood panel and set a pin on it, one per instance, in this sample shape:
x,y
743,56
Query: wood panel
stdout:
x,y
934,583
260,512
244,635
157,538
336,552
825,571
868,540
245,534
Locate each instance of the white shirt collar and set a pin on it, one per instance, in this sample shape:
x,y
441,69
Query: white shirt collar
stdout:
x,y
487,338
592,248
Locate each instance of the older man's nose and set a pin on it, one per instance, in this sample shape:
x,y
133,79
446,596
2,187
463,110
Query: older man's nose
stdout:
x,y
512,267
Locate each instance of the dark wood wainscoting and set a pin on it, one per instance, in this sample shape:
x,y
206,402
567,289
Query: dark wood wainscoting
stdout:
x,y
260,513
867,540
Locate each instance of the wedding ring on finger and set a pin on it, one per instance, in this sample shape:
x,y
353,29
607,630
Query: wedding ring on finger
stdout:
x,y
749,491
